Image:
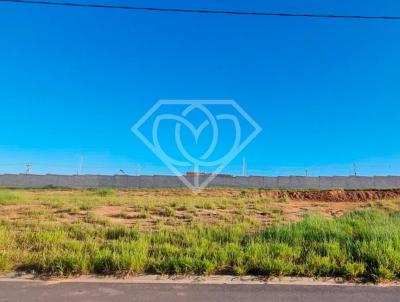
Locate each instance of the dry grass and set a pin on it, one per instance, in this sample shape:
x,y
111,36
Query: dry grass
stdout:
x,y
150,209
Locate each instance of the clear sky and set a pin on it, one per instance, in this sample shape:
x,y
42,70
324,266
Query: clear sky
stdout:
x,y
326,92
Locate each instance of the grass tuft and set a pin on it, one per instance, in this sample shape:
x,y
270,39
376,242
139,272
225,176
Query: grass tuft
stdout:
x,y
104,192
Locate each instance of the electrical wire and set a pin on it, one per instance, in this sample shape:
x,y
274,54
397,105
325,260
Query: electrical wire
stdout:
x,y
203,11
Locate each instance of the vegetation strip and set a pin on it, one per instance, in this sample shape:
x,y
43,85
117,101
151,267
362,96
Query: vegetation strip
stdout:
x,y
359,244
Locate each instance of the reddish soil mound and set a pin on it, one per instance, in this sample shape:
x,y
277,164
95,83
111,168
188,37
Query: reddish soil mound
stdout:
x,y
337,195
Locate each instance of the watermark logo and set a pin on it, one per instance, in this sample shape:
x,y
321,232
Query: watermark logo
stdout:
x,y
196,139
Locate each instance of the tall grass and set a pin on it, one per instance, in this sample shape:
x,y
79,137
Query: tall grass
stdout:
x,y
363,244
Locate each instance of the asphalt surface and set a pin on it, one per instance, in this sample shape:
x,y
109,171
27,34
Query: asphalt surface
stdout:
x,y
121,292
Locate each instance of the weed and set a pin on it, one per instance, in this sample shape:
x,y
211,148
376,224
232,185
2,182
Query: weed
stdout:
x,y
104,192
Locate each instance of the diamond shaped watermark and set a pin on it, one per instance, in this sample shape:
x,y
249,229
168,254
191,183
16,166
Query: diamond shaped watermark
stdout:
x,y
162,111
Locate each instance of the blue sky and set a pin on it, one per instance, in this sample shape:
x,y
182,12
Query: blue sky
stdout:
x,y
325,92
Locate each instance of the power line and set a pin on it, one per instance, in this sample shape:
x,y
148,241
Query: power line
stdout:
x,y
28,169
203,11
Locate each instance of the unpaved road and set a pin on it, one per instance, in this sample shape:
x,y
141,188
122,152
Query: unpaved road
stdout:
x,y
121,292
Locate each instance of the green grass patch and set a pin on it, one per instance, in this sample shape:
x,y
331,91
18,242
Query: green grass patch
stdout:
x,y
104,192
363,244
8,197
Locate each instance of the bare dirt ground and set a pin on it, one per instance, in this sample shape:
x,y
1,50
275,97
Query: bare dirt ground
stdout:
x,y
148,209
265,206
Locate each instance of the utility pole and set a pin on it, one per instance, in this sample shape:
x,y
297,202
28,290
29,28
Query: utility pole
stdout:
x,y
354,169
244,167
28,169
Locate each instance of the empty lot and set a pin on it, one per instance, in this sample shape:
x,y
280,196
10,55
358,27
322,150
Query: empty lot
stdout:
x,y
65,232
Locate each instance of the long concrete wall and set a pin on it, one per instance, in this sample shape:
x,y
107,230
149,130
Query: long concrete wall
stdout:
x,y
280,182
